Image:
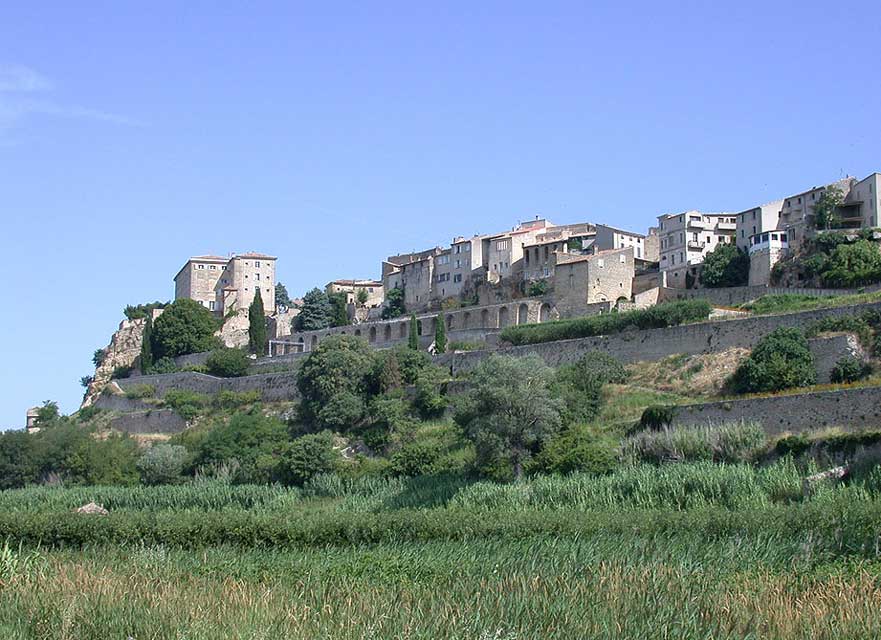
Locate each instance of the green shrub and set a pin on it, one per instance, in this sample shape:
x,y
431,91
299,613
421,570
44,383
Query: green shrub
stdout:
x,y
140,391
657,417
162,464
164,365
462,345
430,399
305,457
850,369
663,315
254,441
578,448
235,399
414,459
725,266
780,360
184,327
228,363
186,403
137,312
537,288
122,371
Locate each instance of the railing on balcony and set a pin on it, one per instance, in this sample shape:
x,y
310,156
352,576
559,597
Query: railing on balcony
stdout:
x,y
696,245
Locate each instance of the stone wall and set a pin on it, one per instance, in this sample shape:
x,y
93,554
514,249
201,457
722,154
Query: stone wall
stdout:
x,y
847,408
656,344
151,421
280,386
829,349
732,296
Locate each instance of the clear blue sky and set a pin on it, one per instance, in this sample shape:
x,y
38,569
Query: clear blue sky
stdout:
x,y
135,134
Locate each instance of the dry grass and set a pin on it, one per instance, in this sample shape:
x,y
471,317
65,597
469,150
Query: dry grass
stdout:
x,y
702,375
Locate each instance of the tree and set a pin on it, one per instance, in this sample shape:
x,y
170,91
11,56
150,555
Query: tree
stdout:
x,y
362,297
826,210
333,381
780,360
725,266
98,357
136,312
339,312
147,347
315,312
282,299
253,440
228,363
413,338
47,414
394,304
852,265
257,325
162,464
509,411
85,381
184,327
440,334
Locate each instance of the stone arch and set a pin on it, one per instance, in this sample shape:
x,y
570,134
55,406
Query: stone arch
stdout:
x,y
357,332
372,334
314,343
484,319
544,312
419,327
522,313
504,317
402,330
449,321
387,333
466,320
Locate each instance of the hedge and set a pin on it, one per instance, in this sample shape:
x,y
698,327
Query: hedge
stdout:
x,y
668,314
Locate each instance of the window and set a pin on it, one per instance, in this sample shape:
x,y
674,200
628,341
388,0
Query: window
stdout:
x,y
601,263
213,267
445,259
501,245
201,266
622,259
211,305
457,277
458,248
467,247
257,275
257,263
369,289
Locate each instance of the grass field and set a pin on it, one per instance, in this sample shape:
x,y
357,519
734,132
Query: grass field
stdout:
x,y
682,551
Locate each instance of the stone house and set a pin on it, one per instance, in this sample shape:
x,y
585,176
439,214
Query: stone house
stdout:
x,y
605,276
224,284
685,238
352,289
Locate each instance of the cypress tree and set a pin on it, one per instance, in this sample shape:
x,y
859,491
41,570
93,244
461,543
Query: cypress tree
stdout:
x,y
147,346
440,334
413,341
257,325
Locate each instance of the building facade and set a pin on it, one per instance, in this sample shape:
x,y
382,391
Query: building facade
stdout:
x,y
605,276
225,284
352,288
685,238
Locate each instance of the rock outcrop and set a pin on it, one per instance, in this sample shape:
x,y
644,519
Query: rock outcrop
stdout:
x,y
123,351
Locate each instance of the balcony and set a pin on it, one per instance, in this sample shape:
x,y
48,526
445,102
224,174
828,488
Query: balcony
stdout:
x,y
696,245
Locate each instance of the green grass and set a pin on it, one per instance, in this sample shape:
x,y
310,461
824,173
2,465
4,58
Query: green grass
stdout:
x,y
791,302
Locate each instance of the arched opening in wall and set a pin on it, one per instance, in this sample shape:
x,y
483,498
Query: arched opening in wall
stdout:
x,y
314,343
387,333
429,326
449,321
484,319
522,314
503,317
544,312
357,332
466,320
402,330
419,327
372,334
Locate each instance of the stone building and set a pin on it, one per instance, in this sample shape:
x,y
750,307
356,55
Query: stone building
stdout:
x,y
611,238
353,288
605,276
224,284
685,238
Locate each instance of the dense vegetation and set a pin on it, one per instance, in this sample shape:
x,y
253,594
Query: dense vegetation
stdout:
x,y
663,315
791,302
780,360
835,260
725,266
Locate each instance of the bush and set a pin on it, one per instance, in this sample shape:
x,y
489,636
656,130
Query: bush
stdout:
x,y
122,371
537,288
140,391
657,417
137,312
663,315
850,369
228,363
163,365
414,459
254,441
162,464
235,399
186,403
780,360
579,448
306,457
735,442
430,399
853,265
462,345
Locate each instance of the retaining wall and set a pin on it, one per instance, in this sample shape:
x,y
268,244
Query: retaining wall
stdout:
x,y
732,296
273,386
847,408
655,344
151,421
